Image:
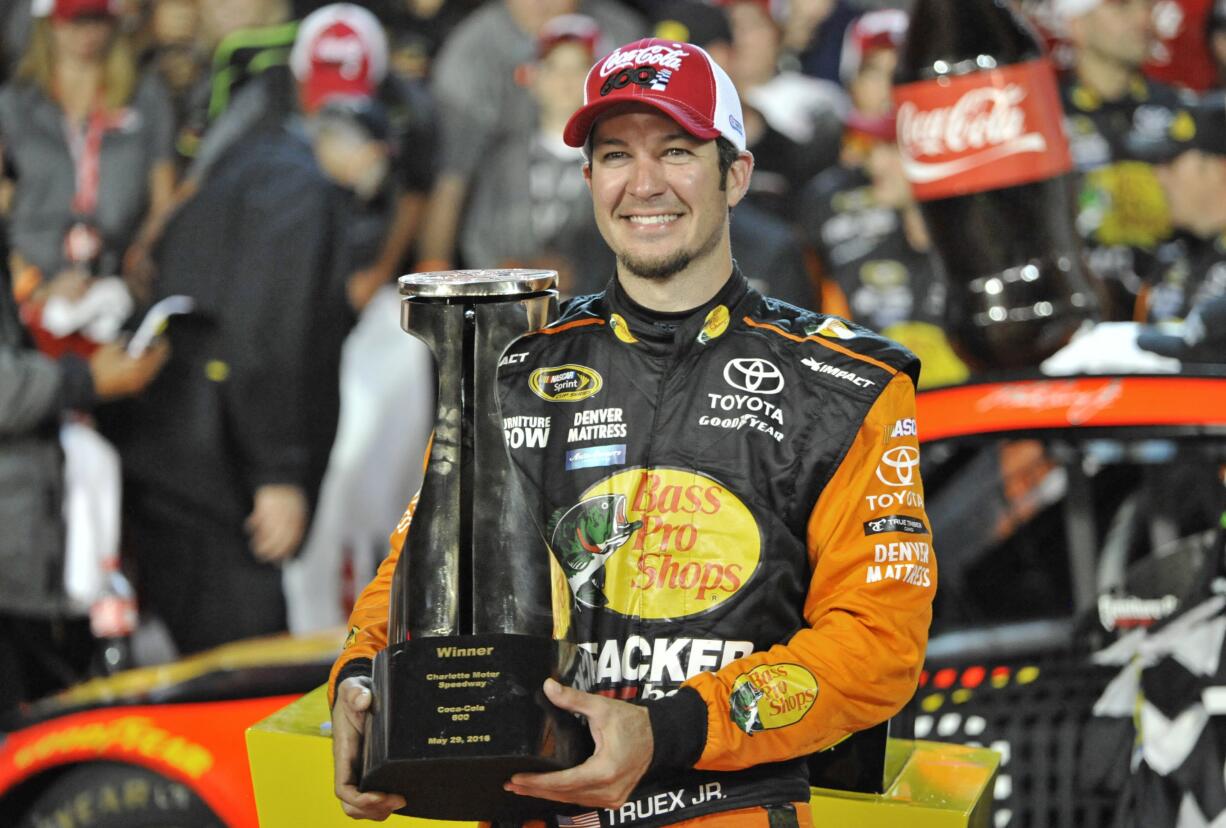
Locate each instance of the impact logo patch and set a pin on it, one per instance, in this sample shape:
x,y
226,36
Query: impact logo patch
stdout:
x,y
565,383
656,543
772,696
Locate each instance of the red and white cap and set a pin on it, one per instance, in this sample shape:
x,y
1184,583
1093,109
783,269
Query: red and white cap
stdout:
x,y
340,49
679,79
881,29
568,28
72,9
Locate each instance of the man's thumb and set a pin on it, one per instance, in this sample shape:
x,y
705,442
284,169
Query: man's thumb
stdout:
x,y
565,697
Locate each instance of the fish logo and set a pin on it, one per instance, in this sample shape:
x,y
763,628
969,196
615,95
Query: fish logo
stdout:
x,y
585,537
744,707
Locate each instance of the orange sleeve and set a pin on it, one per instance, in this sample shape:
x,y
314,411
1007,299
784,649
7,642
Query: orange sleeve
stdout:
x,y
368,621
869,606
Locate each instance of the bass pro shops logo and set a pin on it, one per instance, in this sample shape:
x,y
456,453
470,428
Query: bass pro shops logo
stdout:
x,y
771,696
656,543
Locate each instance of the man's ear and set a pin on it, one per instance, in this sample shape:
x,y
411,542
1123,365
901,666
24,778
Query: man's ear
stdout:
x,y
738,178
587,174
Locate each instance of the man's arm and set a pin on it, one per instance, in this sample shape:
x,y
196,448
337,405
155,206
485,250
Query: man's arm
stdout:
x,y
869,608
349,690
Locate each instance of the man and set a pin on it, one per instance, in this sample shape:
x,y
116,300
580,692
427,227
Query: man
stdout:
x,y
224,454
1110,108
1191,167
751,441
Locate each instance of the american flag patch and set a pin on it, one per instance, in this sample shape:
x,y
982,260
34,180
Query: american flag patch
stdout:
x,y
589,820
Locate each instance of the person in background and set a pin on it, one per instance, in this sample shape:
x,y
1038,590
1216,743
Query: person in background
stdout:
x,y
44,644
384,155
417,30
474,82
1191,168
1215,35
793,121
1112,112
342,50
877,269
813,33
223,455
529,206
78,95
175,53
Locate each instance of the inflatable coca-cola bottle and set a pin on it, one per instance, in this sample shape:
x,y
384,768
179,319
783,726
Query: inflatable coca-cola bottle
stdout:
x,y
982,142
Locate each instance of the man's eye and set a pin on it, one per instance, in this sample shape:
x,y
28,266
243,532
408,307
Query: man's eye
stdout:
x,y
676,151
615,155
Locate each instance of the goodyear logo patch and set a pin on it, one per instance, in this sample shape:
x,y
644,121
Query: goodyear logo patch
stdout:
x,y
565,383
656,543
772,696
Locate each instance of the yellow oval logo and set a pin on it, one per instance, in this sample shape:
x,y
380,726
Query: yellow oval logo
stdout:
x,y
657,543
621,329
771,696
565,383
714,325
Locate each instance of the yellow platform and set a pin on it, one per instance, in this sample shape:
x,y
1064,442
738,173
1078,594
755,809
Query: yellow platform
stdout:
x,y
938,785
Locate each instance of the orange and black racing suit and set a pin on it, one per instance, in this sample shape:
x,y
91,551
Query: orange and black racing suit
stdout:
x,y
734,497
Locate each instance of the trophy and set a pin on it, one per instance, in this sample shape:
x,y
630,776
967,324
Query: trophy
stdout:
x,y
473,632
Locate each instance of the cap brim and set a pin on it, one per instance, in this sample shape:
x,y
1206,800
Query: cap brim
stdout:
x,y
580,124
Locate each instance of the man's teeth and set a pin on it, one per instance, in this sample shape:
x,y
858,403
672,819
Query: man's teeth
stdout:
x,y
653,219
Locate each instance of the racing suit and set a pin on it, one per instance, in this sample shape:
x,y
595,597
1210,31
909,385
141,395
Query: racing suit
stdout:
x,y
734,496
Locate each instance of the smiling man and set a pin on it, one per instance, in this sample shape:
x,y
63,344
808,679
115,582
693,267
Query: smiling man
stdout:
x,y
765,573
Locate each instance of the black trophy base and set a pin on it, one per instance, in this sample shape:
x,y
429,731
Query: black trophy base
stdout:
x,y
455,717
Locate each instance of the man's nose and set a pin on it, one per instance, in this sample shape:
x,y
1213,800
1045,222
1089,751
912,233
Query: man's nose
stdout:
x,y
647,179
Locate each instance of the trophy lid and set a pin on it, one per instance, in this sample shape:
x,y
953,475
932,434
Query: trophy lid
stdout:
x,y
477,284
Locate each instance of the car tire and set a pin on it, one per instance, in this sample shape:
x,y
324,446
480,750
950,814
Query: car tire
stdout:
x,y
114,795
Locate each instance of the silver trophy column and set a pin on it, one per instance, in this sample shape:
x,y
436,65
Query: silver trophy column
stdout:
x,y
458,704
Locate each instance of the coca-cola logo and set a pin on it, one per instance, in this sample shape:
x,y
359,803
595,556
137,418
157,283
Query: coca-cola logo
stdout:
x,y
661,57
983,125
982,130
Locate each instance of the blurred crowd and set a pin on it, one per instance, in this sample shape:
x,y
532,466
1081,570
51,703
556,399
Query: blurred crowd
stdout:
x,y
246,178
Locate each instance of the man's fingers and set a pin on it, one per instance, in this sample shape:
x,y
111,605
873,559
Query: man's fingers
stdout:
x,y
568,698
368,805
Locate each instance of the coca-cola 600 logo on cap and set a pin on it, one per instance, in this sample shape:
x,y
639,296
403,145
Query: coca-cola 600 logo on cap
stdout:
x,y
982,131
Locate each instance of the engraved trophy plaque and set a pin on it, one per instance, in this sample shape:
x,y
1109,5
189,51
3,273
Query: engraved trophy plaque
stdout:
x,y
472,633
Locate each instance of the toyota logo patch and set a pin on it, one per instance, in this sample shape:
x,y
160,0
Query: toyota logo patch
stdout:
x,y
756,376
897,466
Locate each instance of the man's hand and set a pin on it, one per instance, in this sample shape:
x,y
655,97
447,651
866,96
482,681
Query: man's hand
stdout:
x,y
361,286
278,522
116,374
622,733
348,717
